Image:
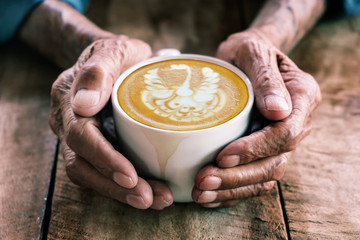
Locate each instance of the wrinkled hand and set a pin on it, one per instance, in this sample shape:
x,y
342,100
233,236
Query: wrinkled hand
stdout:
x,y
77,96
250,165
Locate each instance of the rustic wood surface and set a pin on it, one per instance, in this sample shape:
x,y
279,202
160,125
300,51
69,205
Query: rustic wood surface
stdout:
x,y
80,214
319,193
321,185
27,145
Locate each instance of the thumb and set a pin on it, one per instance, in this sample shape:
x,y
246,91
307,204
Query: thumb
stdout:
x,y
105,60
259,62
272,97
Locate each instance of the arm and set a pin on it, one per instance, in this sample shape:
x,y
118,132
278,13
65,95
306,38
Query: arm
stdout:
x,y
59,32
285,94
97,58
285,22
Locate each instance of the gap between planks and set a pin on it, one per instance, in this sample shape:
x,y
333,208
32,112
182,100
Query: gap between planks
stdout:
x,y
283,209
48,208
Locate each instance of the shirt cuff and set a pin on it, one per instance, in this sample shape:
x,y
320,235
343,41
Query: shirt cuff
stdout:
x,y
351,7
78,5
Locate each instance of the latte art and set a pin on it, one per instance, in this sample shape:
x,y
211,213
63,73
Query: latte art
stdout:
x,y
182,94
183,103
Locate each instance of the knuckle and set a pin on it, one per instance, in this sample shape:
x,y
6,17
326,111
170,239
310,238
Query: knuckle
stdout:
x,y
55,120
210,170
314,86
72,166
91,73
305,86
266,187
289,138
277,167
70,158
263,80
62,84
263,188
234,194
263,143
72,131
247,149
76,131
56,87
59,90
316,95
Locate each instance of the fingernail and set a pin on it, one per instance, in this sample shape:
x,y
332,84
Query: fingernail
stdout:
x,y
166,203
123,180
210,183
160,204
212,205
86,98
230,161
276,103
136,201
207,196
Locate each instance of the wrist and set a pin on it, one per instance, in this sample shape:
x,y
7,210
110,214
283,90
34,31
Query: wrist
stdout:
x,y
270,35
59,32
285,22
263,34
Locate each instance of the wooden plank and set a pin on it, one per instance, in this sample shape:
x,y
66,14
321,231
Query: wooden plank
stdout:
x,y
191,26
27,145
320,187
81,214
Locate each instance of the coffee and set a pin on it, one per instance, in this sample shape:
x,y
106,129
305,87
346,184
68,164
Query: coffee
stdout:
x,y
182,94
173,94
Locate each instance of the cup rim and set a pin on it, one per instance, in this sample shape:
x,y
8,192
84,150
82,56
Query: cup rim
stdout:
x,y
236,70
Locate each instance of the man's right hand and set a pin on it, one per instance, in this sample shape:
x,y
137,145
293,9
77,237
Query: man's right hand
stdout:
x,y
77,96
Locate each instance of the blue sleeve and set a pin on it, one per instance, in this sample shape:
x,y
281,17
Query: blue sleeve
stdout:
x,y
351,7
342,8
79,5
13,12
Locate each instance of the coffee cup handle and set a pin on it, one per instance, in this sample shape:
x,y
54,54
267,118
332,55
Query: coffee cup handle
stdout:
x,y
168,52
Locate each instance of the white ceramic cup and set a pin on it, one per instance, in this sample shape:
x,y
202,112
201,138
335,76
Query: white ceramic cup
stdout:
x,y
185,152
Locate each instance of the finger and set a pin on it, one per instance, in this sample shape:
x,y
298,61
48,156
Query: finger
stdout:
x,y
264,170
301,86
259,62
59,89
84,138
282,136
228,198
85,175
276,138
273,140
272,97
104,62
162,195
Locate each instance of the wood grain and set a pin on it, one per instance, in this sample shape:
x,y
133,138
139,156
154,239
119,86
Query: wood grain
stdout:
x,y
320,187
321,183
27,145
81,214
192,26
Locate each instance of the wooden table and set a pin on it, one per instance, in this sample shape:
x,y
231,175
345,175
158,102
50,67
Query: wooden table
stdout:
x,y
318,198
